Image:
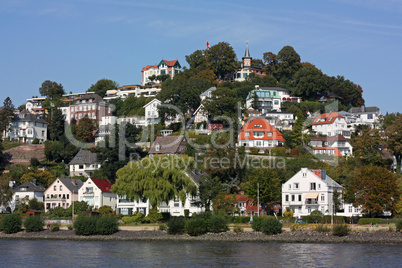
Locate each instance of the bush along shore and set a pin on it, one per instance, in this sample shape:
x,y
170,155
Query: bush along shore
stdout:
x,y
203,227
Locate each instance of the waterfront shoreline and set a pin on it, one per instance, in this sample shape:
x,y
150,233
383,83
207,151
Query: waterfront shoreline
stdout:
x,y
379,237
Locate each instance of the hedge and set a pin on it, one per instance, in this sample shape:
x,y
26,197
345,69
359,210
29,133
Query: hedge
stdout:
x,y
176,225
33,224
196,226
218,224
270,226
11,223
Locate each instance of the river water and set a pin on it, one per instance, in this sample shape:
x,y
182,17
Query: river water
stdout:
x,y
27,253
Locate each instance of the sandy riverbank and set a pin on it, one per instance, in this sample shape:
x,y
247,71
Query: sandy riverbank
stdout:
x,y
378,237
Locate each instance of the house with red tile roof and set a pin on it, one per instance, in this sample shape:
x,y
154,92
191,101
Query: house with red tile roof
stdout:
x,y
336,145
257,132
170,67
97,193
331,124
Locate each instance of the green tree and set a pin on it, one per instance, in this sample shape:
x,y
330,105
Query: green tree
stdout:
x,y
222,102
56,125
267,182
222,60
103,85
85,129
6,193
209,188
255,103
271,63
51,89
34,204
288,64
308,82
6,115
44,178
366,147
375,189
158,178
393,135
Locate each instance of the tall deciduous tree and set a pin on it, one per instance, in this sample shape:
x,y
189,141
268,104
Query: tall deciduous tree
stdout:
x,y
394,141
222,102
6,193
103,85
375,189
308,81
222,60
366,147
209,188
51,89
6,115
85,129
158,178
268,184
44,178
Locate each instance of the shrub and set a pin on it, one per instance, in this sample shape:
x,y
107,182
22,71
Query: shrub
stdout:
x,y
176,225
217,224
340,230
288,214
105,210
153,216
11,223
256,225
238,229
364,221
162,227
107,225
69,227
316,216
187,213
196,226
54,227
398,225
33,224
321,228
59,212
85,225
271,226
337,219
131,219
240,219
254,150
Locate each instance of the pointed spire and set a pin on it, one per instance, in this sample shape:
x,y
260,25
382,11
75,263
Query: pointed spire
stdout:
x,y
247,54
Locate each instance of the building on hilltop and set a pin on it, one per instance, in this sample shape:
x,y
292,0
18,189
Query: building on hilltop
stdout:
x,y
131,90
258,133
170,67
34,105
168,145
246,68
336,145
26,127
84,163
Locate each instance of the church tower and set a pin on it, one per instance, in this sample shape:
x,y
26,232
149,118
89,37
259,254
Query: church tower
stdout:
x,y
247,59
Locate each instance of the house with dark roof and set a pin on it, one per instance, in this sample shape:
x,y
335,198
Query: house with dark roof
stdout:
x,y
170,67
168,145
28,190
97,193
26,127
61,193
258,133
336,145
331,124
84,163
89,105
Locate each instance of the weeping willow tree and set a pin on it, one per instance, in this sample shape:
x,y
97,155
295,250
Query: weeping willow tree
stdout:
x,y
157,178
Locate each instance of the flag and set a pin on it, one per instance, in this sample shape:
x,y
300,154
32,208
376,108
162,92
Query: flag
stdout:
x,y
208,45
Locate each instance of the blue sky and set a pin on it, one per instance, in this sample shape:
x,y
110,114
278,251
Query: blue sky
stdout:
x,y
77,42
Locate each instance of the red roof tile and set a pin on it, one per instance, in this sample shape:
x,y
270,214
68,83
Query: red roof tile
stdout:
x,y
327,118
102,184
170,62
250,126
146,68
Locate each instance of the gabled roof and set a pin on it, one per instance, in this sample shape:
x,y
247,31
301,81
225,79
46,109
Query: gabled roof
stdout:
x,y
327,118
103,185
205,93
151,102
167,144
250,111
260,124
30,187
330,140
69,183
170,63
84,157
241,198
327,179
26,116
146,68
195,175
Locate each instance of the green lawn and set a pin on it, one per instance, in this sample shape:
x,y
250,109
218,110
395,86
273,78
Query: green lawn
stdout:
x,y
8,144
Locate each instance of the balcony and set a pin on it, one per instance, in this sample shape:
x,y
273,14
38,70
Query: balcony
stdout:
x,y
63,199
311,202
88,194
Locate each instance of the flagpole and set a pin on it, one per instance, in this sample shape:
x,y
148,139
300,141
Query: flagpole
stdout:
x,y
258,198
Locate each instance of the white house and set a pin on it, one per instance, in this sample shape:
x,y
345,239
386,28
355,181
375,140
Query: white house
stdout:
x,y
310,190
170,67
96,192
151,112
331,124
368,116
84,163
26,127
131,90
174,207
34,105
336,145
30,190
61,193
280,119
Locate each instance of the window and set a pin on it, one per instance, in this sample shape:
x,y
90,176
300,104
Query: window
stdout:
x,y
276,102
258,143
80,166
17,198
296,185
312,186
300,198
370,116
322,198
258,134
61,187
319,186
55,188
257,126
68,196
269,134
157,147
309,210
176,204
290,186
293,197
350,209
286,198
247,134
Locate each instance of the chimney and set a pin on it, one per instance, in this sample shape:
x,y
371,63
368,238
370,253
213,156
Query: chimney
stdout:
x,y
74,182
323,175
363,108
35,182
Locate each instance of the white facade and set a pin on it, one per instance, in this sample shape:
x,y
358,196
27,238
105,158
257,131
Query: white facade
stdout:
x,y
27,127
310,190
97,196
280,120
331,124
164,67
125,91
34,105
151,112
